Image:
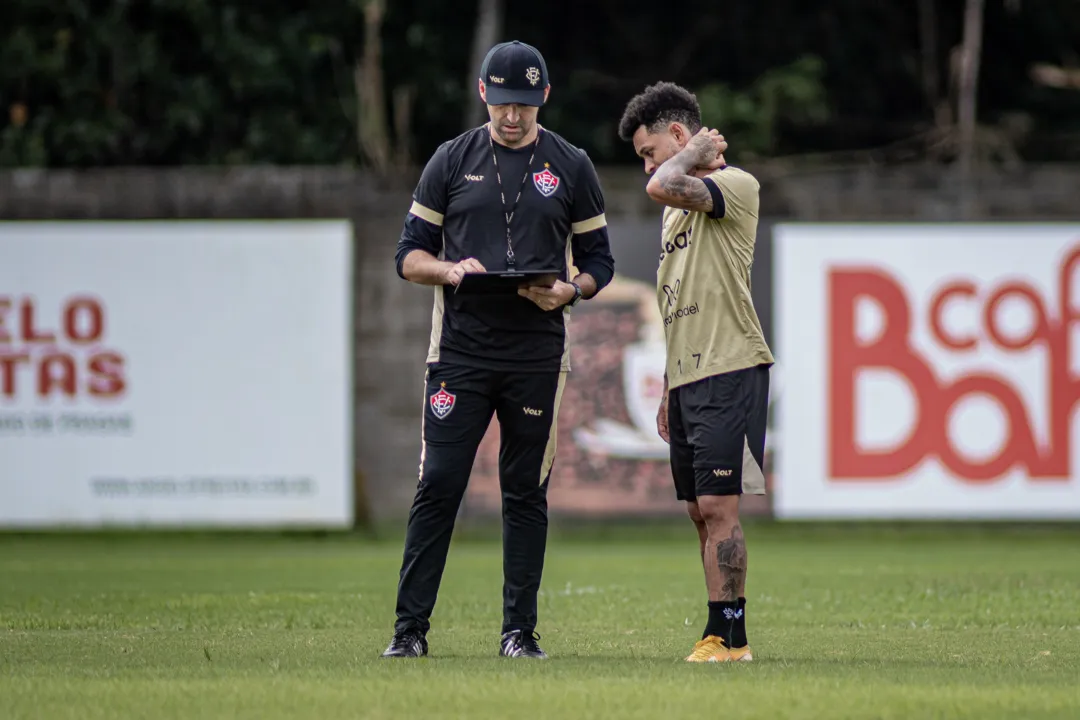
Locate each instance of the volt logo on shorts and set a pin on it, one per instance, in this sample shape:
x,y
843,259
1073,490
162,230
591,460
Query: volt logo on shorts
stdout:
x,y
442,402
533,411
722,473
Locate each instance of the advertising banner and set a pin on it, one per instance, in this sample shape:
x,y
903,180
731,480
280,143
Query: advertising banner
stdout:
x,y
928,370
175,374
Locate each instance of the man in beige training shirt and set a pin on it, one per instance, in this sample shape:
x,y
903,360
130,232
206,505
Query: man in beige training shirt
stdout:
x,y
716,391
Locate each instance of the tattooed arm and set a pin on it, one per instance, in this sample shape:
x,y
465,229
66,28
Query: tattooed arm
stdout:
x,y
674,186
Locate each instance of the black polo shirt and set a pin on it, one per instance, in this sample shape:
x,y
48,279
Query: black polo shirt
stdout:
x,y
457,213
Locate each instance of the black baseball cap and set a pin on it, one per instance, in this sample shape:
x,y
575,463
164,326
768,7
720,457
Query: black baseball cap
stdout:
x,y
514,72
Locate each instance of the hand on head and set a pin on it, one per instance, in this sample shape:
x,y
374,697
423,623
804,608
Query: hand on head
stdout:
x,y
707,149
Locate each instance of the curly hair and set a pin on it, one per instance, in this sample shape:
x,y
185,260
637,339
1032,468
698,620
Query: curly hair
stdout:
x,y
657,106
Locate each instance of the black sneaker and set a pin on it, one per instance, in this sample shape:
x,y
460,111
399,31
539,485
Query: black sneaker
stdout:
x,y
407,644
518,643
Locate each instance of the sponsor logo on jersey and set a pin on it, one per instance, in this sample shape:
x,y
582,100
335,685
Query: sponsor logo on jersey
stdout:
x,y
681,313
672,293
681,241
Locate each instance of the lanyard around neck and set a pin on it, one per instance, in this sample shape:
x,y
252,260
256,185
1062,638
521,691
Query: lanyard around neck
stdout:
x,y
510,215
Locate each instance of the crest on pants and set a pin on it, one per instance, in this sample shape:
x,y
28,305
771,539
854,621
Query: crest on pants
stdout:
x,y
442,402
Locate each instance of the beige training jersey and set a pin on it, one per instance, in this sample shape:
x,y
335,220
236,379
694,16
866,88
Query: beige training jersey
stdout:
x,y
703,285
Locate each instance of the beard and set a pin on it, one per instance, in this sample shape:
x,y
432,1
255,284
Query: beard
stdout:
x,y
516,135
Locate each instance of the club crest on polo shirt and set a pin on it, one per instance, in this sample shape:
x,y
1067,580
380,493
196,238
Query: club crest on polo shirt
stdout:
x,y
546,181
442,402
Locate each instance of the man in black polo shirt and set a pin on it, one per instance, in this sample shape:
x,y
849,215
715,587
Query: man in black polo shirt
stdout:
x,y
508,194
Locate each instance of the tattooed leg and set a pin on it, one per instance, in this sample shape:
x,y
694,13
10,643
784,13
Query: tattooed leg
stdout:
x,y
731,561
721,516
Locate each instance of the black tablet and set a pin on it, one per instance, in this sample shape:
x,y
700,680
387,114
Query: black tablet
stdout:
x,y
504,282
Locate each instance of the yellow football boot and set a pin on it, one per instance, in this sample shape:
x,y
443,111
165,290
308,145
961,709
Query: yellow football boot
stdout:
x,y
732,655
706,649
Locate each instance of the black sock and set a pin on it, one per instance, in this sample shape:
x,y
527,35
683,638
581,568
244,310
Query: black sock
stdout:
x,y
738,626
721,615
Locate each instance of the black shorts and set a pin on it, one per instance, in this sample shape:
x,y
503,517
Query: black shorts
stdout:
x,y
717,429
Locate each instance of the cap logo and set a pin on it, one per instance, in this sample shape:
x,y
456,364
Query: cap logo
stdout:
x,y
533,76
497,80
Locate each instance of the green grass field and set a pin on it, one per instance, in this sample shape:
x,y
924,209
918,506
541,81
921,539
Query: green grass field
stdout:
x,y
859,622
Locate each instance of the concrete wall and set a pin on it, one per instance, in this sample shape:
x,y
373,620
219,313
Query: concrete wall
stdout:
x,y
393,318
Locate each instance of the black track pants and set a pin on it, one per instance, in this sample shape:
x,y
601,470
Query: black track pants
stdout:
x,y
459,402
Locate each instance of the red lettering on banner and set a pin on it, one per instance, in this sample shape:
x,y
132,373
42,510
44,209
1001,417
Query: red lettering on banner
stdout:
x,y
107,375
29,333
5,308
848,356
56,370
937,311
88,309
8,366
58,365
934,398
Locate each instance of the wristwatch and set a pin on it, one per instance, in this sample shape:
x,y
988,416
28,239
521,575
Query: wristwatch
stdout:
x,y
577,295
